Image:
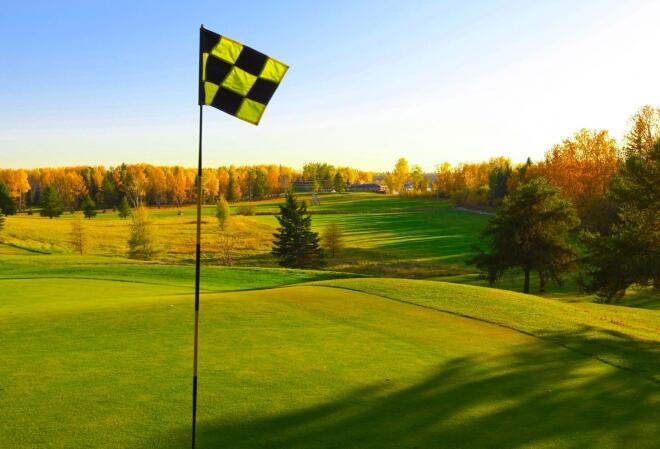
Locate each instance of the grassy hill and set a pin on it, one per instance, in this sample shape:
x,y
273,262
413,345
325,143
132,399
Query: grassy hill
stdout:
x,y
91,360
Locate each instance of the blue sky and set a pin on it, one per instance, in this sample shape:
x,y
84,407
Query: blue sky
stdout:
x,y
370,81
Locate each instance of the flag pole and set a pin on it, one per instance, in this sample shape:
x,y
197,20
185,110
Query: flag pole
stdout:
x,y
198,252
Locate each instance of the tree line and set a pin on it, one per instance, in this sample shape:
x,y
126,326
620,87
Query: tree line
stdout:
x,y
145,184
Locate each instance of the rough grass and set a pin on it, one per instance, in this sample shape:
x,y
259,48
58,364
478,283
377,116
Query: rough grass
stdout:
x,y
100,363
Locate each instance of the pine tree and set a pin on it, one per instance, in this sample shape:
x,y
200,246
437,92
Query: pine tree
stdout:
x,y
629,253
124,209
222,213
88,207
7,204
143,242
333,239
531,231
295,245
51,206
339,184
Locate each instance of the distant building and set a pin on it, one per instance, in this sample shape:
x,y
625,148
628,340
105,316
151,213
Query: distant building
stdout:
x,y
373,187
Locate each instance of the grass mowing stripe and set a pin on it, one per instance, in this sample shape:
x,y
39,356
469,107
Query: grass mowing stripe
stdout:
x,y
506,326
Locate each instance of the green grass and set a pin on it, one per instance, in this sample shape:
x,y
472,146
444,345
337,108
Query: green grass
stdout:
x,y
385,236
90,360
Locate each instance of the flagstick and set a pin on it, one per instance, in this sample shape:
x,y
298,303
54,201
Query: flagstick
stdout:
x,y
198,255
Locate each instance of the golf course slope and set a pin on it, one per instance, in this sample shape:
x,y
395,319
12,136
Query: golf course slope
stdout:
x,y
344,363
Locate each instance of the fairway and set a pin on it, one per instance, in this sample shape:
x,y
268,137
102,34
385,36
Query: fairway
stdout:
x,y
368,363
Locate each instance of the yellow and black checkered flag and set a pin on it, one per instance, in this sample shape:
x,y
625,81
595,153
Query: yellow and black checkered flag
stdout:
x,y
236,78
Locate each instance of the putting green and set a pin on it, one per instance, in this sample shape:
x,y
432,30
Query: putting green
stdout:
x,y
99,363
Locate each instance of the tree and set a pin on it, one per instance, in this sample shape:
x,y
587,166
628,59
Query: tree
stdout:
x,y
295,245
630,252
143,242
233,187
89,207
222,213
643,133
78,237
400,175
531,231
51,206
227,240
582,167
333,239
338,183
123,208
7,205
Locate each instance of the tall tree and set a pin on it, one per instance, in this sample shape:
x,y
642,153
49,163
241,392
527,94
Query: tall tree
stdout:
x,y
89,207
630,252
400,175
295,244
339,183
142,242
582,167
643,133
51,206
7,205
531,231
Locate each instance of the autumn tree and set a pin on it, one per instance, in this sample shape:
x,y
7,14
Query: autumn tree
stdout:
x,y
332,239
295,244
78,237
157,185
88,207
630,252
142,242
51,206
582,167
400,175
123,208
644,131
531,231
233,187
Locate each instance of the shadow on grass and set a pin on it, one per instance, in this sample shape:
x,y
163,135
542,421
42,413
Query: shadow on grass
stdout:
x,y
540,395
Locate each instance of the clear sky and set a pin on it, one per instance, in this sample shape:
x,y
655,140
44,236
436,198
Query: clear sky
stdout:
x,y
90,82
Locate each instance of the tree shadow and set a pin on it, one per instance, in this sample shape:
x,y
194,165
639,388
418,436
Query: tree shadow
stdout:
x,y
539,395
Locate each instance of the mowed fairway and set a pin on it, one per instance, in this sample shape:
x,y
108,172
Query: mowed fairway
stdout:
x,y
104,363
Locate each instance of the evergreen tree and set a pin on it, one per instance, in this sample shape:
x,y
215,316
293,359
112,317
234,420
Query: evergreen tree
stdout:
x,y
531,231
89,207
295,245
51,206
7,205
124,209
333,239
630,252
339,184
222,213
143,242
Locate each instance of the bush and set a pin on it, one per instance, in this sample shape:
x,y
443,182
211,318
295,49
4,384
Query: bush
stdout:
x,y
246,209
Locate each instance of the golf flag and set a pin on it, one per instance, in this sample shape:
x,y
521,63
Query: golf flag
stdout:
x,y
236,78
